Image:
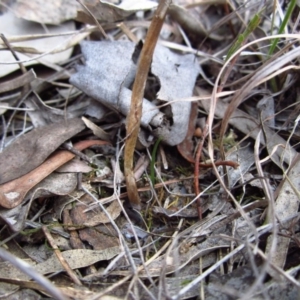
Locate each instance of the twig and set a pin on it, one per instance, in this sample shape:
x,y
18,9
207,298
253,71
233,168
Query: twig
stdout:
x,y
196,170
59,256
135,113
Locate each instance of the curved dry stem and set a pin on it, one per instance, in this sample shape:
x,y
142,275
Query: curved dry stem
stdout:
x,y
135,113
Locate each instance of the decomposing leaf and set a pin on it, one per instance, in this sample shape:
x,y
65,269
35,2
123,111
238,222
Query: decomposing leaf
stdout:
x,y
245,157
287,204
17,82
10,271
15,217
182,259
75,258
187,20
114,210
54,184
173,284
13,192
75,166
186,213
99,237
108,81
266,108
42,114
177,75
105,11
10,25
50,12
78,258
31,149
99,132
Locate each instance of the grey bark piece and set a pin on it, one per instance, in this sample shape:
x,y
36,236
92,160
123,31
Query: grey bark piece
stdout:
x,y
177,75
109,72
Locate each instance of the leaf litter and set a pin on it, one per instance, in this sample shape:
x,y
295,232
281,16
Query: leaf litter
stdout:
x,y
221,90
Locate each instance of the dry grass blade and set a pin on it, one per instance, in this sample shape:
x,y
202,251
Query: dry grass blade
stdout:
x,y
135,113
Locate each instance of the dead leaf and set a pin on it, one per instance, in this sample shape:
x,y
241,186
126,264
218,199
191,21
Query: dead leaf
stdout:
x,y
99,238
44,114
99,132
78,258
17,82
52,12
31,149
112,88
114,210
10,26
75,166
286,206
54,184
13,192
15,217
108,12
176,74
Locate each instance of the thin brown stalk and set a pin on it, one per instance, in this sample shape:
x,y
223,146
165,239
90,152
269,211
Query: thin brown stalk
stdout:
x,y
135,113
196,171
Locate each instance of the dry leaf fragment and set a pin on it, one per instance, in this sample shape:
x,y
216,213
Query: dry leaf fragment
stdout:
x,y
78,258
52,12
11,26
109,71
31,149
13,192
99,132
107,75
114,209
17,82
108,12
177,75
287,204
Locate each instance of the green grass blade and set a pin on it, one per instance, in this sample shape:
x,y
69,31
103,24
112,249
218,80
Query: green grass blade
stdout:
x,y
254,22
286,18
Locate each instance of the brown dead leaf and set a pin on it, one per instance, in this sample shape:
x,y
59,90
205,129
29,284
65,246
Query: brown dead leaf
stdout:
x,y
114,209
12,193
98,131
23,31
98,238
17,82
31,149
108,12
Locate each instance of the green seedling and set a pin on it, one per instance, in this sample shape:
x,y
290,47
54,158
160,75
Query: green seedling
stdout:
x,y
286,18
